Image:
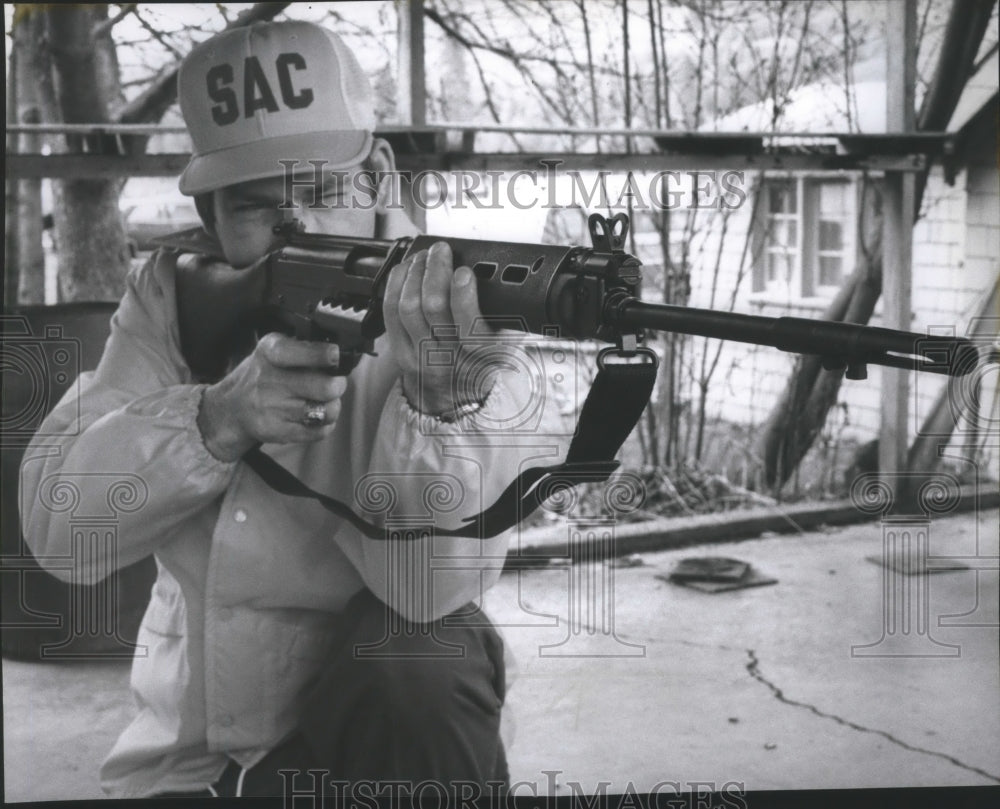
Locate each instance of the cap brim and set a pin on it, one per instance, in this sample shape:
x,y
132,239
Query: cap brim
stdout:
x,y
261,159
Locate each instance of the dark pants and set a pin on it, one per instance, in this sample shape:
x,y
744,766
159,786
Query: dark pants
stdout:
x,y
397,702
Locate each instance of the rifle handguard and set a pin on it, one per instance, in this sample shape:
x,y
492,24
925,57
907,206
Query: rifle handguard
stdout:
x,y
331,288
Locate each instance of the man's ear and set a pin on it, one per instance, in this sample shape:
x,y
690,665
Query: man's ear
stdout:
x,y
382,163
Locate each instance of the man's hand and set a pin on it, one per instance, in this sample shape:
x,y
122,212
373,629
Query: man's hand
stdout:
x,y
265,399
427,301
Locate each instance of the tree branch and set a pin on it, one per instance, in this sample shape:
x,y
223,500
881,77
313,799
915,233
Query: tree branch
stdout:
x,y
556,64
103,27
508,54
158,36
489,97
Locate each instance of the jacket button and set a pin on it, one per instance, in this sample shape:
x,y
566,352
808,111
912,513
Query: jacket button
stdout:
x,y
240,515
225,720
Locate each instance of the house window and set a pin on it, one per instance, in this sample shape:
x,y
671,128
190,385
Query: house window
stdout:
x,y
782,238
804,236
833,224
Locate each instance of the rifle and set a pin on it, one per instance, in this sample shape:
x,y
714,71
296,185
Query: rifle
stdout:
x,y
330,288
319,287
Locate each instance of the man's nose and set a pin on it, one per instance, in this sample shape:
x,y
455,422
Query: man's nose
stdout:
x,y
310,218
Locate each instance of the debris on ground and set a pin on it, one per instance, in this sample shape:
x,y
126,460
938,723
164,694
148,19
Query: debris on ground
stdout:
x,y
715,574
651,494
912,566
709,568
632,560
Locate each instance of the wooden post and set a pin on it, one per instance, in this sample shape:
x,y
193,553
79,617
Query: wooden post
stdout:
x,y
29,252
412,103
412,88
25,270
10,271
897,240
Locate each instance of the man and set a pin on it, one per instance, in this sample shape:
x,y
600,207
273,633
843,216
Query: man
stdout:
x,y
278,636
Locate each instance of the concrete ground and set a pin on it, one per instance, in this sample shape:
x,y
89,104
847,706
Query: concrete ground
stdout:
x,y
754,689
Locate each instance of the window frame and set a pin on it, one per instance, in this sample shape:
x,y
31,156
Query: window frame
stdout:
x,y
805,282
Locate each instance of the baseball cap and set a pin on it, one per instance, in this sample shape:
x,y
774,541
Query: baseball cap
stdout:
x,y
266,92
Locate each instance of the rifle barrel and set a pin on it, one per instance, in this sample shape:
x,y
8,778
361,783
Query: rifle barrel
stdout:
x,y
845,344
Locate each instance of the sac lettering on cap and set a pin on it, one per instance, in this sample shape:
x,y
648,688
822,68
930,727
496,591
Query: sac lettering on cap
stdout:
x,y
257,91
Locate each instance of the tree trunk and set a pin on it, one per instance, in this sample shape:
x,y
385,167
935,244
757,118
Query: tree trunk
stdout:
x,y
800,413
90,234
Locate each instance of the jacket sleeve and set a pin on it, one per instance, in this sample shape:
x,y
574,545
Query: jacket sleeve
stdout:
x,y
123,444
423,474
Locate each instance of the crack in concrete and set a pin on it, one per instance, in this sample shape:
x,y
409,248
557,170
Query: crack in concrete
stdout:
x,y
753,668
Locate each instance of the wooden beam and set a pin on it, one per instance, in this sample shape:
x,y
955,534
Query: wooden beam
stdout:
x,y
11,277
897,244
410,67
620,162
172,164
95,165
411,81
670,139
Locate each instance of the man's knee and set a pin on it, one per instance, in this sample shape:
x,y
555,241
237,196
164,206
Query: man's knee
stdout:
x,y
409,700
423,671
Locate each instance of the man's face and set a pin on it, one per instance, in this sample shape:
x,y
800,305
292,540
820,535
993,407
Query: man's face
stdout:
x,y
246,214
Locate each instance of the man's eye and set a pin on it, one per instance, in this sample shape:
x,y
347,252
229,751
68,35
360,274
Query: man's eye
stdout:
x,y
244,207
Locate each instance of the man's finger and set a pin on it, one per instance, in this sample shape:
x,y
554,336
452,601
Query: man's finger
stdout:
x,y
411,309
390,306
436,290
283,351
316,387
464,300
296,432
311,414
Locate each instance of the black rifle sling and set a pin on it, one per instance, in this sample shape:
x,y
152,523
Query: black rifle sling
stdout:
x,y
613,406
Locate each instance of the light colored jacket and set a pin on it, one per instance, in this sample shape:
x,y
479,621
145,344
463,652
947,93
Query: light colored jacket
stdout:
x,y
248,580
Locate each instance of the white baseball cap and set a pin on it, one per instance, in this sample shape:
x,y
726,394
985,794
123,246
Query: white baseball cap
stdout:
x,y
267,92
